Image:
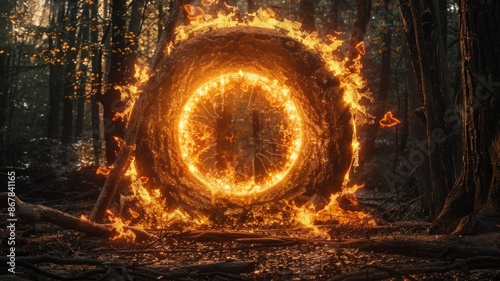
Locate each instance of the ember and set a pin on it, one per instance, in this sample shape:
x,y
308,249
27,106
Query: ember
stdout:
x,y
388,120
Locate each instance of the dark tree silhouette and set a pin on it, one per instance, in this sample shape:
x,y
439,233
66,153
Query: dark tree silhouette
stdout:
x,y
423,36
474,202
114,126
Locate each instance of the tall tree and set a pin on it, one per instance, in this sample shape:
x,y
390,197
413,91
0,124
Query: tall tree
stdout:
x,y
123,160
422,32
111,100
363,12
70,69
83,37
96,80
134,29
474,202
56,68
6,8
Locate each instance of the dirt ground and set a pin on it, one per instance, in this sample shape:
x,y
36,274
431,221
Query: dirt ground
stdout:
x,y
398,248
46,252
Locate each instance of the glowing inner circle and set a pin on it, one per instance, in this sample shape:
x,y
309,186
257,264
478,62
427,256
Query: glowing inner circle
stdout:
x,y
240,134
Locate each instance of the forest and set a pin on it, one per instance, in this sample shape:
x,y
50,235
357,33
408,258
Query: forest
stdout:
x,y
250,140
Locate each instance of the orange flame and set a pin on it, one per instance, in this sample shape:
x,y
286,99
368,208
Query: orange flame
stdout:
x,y
154,204
307,215
130,93
156,216
102,171
118,225
388,120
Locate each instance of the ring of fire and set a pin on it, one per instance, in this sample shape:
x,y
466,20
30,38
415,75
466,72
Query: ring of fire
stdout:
x,y
245,58
240,134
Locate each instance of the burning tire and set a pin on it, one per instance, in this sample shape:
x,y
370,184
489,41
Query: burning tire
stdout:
x,y
243,116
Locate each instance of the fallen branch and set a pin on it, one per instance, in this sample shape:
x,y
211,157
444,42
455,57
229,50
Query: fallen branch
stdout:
x,y
110,187
215,236
31,213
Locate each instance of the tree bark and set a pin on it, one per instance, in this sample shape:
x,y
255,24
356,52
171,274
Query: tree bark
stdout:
x,y
70,75
111,100
6,8
84,35
422,31
161,19
363,12
477,190
134,30
56,68
96,81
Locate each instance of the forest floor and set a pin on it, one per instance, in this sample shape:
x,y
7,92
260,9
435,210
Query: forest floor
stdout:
x,y
48,253
398,248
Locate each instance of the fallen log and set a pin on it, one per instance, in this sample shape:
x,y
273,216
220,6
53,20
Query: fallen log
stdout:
x,y
31,213
215,236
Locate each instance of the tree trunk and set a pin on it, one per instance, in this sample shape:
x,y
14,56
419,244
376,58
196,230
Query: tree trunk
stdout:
x,y
84,59
422,31
96,81
474,202
111,101
70,76
443,21
5,29
161,19
123,161
363,12
56,68
134,29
